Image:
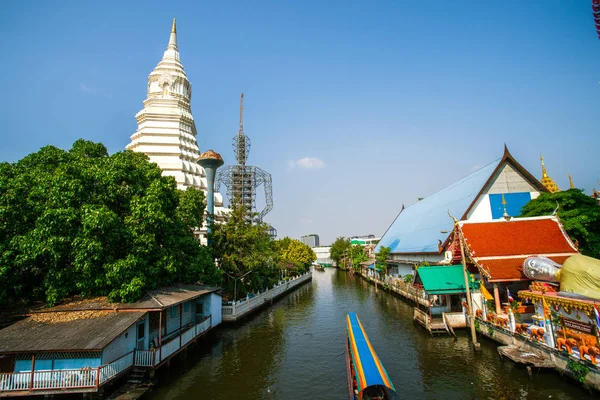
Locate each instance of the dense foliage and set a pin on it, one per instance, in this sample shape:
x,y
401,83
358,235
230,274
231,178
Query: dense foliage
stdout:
x,y
243,249
579,213
338,249
381,258
83,222
294,256
357,255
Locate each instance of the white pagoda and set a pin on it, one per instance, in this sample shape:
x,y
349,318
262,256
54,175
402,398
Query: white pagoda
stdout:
x,y
166,130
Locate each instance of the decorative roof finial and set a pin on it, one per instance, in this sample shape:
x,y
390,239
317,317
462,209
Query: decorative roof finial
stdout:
x,y
544,173
571,186
546,180
173,37
505,215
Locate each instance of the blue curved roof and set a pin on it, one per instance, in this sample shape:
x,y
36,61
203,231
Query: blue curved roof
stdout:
x,y
418,228
367,367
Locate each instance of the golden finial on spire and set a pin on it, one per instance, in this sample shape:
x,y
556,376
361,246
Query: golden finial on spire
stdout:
x,y
174,28
571,186
546,180
544,173
503,200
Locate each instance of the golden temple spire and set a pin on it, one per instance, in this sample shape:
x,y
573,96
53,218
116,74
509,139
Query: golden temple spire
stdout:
x,y
174,28
571,186
544,173
546,180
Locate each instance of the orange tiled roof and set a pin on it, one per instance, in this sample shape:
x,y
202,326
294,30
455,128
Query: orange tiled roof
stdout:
x,y
499,248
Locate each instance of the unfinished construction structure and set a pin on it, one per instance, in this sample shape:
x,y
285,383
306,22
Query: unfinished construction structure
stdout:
x,y
241,180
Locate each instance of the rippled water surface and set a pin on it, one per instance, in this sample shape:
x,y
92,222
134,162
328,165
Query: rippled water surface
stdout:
x,y
295,350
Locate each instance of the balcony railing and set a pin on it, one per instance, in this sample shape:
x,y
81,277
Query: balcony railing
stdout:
x,y
93,378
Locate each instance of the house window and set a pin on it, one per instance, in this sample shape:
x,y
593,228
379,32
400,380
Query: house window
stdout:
x,y
198,308
173,312
186,307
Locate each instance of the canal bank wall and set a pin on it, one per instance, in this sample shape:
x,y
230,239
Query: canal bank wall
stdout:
x,y
239,309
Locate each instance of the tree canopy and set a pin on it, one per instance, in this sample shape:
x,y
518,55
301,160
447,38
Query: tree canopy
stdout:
x,y
381,258
294,255
579,213
83,222
338,249
242,247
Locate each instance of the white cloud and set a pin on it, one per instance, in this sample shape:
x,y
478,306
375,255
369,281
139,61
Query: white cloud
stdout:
x,y
93,91
84,88
307,163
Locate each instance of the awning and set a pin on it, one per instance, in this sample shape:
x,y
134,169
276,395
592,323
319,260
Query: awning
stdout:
x,y
442,279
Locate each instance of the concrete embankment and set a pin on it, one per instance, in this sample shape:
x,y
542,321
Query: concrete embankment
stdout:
x,y
239,309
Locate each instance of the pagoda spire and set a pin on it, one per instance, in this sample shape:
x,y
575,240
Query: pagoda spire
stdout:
x,y
173,38
571,186
546,180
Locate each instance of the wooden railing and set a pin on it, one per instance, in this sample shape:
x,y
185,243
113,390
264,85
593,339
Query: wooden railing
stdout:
x,y
15,381
144,358
188,335
109,371
50,380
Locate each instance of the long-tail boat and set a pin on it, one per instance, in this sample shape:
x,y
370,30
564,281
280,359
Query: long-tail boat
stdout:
x,y
367,378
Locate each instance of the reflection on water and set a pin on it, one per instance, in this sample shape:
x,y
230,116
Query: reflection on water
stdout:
x,y
295,350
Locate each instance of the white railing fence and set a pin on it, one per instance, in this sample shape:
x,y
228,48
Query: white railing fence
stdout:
x,y
114,368
15,381
240,307
144,358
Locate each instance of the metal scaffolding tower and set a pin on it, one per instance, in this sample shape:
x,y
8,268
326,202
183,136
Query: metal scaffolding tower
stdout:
x,y
241,180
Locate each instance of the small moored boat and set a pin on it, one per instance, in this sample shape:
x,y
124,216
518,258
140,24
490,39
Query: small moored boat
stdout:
x,y
367,378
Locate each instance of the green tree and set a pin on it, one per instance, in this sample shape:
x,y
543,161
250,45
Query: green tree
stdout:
x,y
242,247
81,222
339,248
578,212
357,255
381,258
295,255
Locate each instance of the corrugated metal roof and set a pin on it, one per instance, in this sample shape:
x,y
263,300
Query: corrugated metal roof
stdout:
x,y
448,279
66,331
418,228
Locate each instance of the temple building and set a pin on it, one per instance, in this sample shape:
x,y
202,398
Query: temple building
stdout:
x,y
166,130
547,181
422,232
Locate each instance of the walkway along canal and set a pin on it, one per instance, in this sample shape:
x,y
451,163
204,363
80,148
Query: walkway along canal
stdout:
x,y
295,350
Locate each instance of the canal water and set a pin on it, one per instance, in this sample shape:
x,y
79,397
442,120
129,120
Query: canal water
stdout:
x,y
295,350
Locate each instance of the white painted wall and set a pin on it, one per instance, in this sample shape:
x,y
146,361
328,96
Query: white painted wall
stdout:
x,y
122,345
216,309
482,210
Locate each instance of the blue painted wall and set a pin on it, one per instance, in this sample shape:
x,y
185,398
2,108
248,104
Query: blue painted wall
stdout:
x,y
514,203
67,363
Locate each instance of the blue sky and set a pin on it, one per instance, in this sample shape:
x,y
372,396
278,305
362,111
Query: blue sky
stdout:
x,y
387,101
